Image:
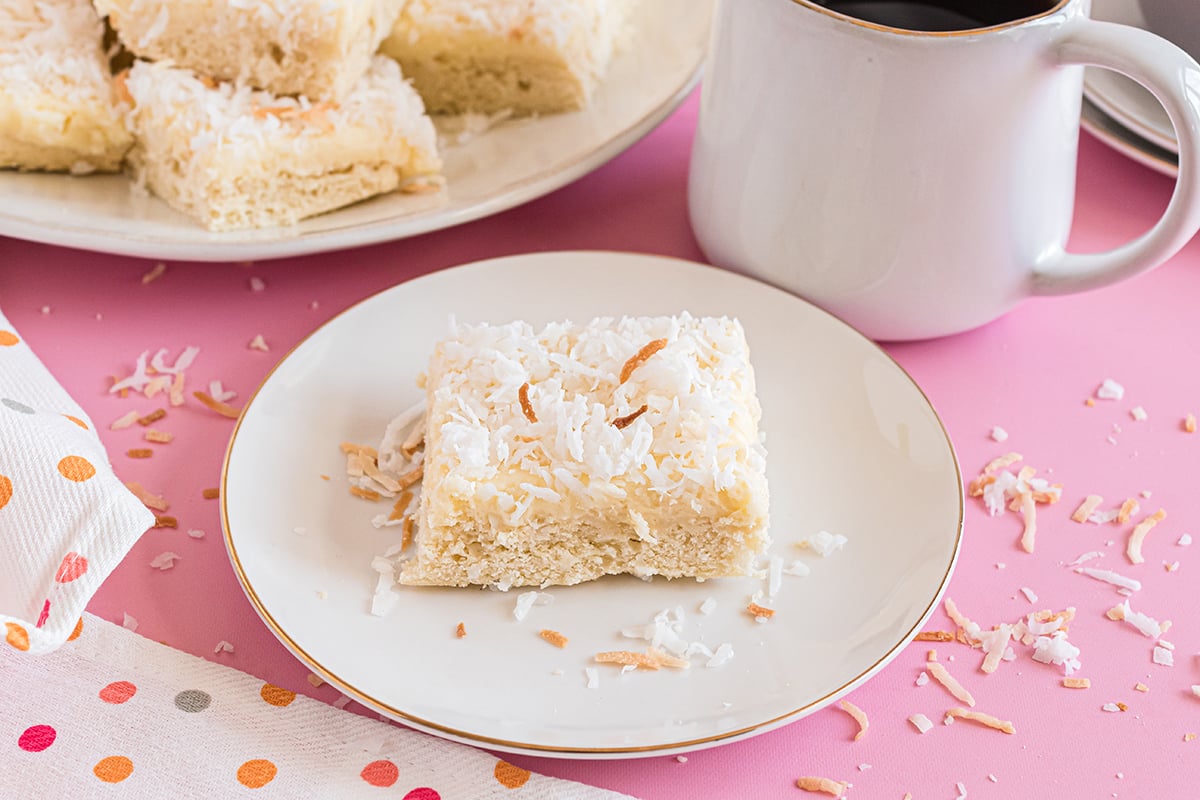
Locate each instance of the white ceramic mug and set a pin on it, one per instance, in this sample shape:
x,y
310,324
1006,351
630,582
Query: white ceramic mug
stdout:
x,y
918,183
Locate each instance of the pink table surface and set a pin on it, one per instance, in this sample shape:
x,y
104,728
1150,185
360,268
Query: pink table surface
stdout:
x,y
1029,373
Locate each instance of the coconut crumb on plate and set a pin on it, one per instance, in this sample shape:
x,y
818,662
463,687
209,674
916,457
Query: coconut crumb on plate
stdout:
x,y
259,343
314,680
553,637
223,647
592,676
824,543
128,622
527,600
460,631
164,561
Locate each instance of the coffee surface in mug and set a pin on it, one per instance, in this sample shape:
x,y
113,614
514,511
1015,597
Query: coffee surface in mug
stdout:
x,y
938,15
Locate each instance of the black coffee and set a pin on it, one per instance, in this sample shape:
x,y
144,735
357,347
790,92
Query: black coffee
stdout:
x,y
939,15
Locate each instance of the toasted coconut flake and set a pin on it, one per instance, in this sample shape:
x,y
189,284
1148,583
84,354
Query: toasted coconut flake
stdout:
x,y
175,393
413,442
460,631
152,417
406,532
366,494
995,643
760,612
1133,549
970,629
526,406
158,269
931,655
400,507
314,680
1189,423
934,636
1029,514
224,409
149,499
1128,509
641,357
124,421
211,493
553,637
1077,683
259,343
1191,737
983,719
1140,687
1000,462
668,660
624,422
977,485
826,785
627,657
159,437
411,477
943,676
1086,508
165,521
858,715
139,452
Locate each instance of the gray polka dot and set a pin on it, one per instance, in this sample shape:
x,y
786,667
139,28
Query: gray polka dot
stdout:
x,y
20,408
192,700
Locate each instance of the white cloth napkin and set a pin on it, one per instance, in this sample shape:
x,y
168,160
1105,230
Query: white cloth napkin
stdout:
x,y
113,714
65,519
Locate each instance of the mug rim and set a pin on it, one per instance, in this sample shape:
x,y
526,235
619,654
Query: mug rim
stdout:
x,y
877,26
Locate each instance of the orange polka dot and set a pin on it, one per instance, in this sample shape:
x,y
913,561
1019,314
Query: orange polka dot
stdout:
x,y
276,695
17,636
8,339
510,776
6,490
256,773
77,421
73,566
76,468
78,630
380,773
118,692
113,769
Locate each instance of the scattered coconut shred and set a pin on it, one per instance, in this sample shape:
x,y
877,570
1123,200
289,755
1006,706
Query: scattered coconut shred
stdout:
x,y
826,785
1000,489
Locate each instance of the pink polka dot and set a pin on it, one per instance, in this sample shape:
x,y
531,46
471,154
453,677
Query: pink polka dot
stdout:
x,y
380,773
118,692
36,738
422,793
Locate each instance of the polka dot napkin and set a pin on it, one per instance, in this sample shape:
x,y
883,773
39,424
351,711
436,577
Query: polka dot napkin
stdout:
x,y
113,714
65,519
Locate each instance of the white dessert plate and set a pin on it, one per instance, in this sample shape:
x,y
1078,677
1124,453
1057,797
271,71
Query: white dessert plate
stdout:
x,y
854,448
510,164
1122,98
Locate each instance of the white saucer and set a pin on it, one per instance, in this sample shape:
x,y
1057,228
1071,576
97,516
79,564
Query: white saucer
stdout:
x,y
511,164
1123,140
853,448
1124,99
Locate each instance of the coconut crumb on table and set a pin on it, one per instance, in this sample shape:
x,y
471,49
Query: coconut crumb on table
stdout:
x,y
152,417
154,273
934,636
139,452
165,521
1127,510
1140,687
164,561
1163,657
858,715
1133,549
125,421
1110,390
921,722
998,434
1189,423
951,684
1077,683
1085,509
983,719
158,437
1138,413
218,406
826,785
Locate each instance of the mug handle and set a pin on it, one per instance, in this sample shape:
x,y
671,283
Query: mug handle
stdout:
x,y
1172,77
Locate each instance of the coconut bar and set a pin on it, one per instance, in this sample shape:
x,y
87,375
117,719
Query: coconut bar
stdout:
x,y
316,48
58,109
519,56
233,157
560,455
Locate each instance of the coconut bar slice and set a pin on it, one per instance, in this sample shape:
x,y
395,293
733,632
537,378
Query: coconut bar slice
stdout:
x,y
58,109
316,48
519,56
560,455
233,157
